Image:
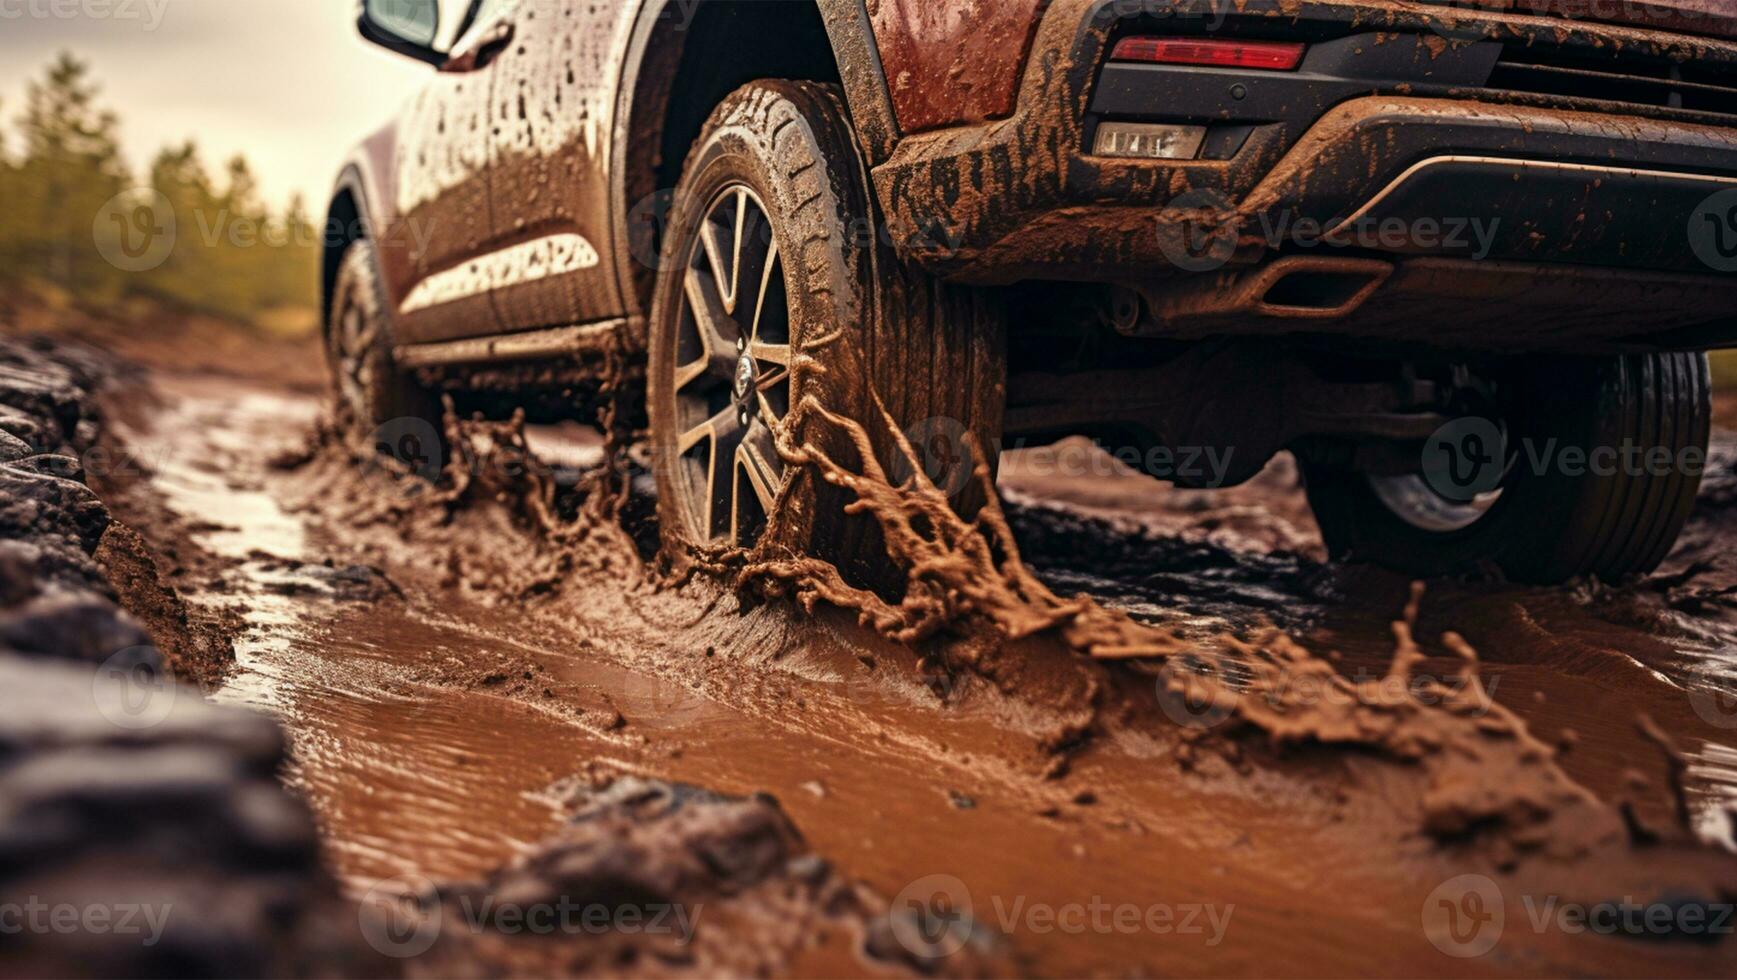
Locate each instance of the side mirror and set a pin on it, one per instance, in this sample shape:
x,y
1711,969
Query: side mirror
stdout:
x,y
406,27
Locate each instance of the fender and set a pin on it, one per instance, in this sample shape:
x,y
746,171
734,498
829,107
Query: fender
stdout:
x,y
655,49
368,177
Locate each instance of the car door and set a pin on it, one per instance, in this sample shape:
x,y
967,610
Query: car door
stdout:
x,y
442,207
550,119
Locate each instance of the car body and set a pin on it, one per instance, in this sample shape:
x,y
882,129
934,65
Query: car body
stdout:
x,y
1513,177
977,120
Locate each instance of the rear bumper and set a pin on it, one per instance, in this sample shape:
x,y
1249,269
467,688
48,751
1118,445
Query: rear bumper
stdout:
x,y
1376,132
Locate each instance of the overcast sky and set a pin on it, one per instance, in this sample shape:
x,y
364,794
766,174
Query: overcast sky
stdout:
x,y
288,82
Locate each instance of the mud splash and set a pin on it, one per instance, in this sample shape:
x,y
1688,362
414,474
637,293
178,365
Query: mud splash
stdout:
x,y
428,730
1485,768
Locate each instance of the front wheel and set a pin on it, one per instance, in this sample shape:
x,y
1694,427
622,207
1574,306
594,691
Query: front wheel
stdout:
x,y
775,287
1592,471
375,401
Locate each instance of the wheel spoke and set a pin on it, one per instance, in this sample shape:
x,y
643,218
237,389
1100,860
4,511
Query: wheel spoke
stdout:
x,y
718,333
772,265
758,455
722,243
771,353
720,426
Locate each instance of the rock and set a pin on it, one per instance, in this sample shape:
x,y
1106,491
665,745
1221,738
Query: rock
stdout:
x,y
127,800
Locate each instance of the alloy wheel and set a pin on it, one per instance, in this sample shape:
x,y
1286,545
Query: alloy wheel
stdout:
x,y
732,371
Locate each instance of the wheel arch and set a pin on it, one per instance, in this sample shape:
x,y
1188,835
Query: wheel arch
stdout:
x,y
672,77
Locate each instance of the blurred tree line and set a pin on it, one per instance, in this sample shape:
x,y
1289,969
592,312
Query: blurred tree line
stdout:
x,y
61,167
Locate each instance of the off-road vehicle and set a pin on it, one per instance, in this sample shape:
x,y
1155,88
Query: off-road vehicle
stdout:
x,y
1461,258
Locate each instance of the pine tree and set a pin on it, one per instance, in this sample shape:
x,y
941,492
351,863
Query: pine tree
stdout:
x,y
71,167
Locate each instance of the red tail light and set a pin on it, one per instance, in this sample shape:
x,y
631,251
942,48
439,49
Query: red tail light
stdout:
x,y
1258,55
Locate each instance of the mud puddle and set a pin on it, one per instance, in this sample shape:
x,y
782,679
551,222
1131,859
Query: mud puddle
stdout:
x,y
436,727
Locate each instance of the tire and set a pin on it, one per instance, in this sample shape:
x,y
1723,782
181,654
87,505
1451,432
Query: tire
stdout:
x,y
375,400
1554,522
783,154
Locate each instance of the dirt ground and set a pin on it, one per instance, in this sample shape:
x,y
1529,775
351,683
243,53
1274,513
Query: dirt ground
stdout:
x,y
454,677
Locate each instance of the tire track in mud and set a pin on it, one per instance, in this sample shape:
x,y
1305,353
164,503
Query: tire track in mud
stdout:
x,y
871,746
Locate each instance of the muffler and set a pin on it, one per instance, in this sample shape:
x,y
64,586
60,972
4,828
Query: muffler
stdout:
x,y
1293,288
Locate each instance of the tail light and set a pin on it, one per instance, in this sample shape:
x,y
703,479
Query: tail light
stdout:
x,y
1256,55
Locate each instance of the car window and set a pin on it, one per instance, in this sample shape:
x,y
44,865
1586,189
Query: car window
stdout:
x,y
486,13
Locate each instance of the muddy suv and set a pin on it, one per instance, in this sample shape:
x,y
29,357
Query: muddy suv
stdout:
x,y
1460,258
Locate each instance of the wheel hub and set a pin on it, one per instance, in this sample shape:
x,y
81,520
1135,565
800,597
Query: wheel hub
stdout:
x,y
746,378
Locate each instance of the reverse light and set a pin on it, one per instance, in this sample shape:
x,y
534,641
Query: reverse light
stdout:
x,y
1148,141
1256,55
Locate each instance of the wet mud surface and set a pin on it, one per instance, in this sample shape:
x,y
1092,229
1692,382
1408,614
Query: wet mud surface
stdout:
x,y
460,677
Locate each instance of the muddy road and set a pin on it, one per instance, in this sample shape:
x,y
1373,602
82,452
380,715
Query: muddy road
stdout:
x,y
452,676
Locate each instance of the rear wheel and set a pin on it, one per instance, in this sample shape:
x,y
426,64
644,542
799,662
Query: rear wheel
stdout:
x,y
1591,470
774,287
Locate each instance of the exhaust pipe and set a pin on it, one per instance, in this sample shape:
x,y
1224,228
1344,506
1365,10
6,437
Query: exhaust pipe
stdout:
x,y
1293,288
